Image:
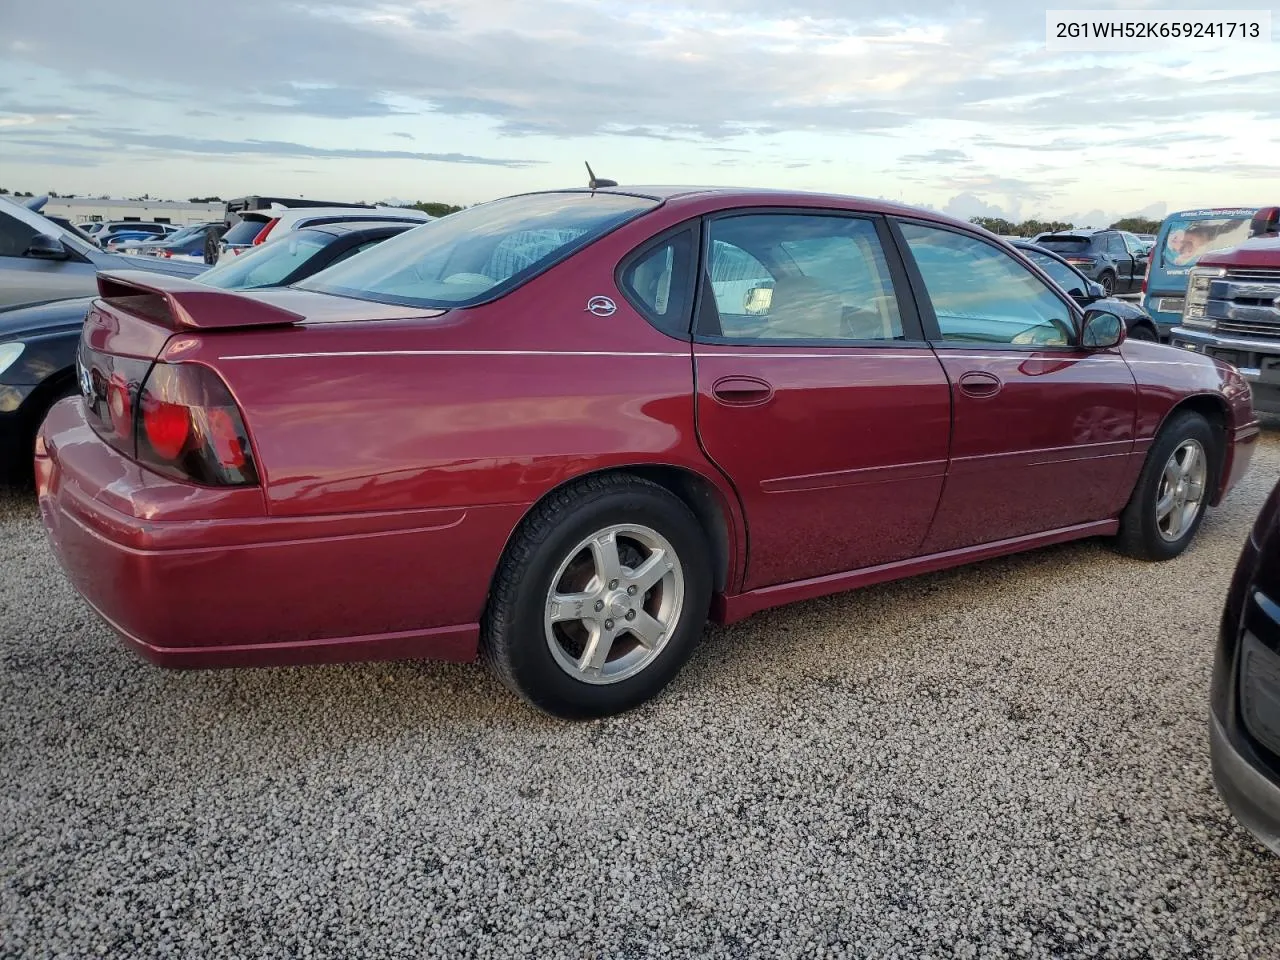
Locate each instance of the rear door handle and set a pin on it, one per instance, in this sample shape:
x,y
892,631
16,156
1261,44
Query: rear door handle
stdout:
x,y
741,391
979,383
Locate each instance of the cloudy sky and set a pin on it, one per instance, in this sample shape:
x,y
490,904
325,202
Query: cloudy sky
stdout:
x,y
957,105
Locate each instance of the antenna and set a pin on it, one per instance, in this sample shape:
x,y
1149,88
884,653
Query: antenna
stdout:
x,y
595,183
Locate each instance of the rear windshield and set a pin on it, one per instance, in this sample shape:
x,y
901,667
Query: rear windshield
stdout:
x,y
1186,240
478,253
243,232
1066,244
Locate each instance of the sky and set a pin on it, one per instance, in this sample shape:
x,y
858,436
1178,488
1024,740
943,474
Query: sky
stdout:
x,y
956,106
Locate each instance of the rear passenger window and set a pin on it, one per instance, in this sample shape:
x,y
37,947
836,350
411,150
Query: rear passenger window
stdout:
x,y
980,294
800,277
657,283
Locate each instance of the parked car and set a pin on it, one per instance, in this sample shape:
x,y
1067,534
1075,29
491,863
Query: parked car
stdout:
x,y
1244,741
1089,293
1232,313
39,260
515,406
38,342
1115,258
1184,238
189,241
113,227
118,241
276,222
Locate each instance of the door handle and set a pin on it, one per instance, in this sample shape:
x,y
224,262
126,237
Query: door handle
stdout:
x,y
980,384
741,391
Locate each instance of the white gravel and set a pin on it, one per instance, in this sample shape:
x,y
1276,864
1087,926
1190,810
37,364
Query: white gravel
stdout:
x,y
1003,760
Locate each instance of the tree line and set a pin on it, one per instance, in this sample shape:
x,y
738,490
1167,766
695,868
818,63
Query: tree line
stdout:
x,y
1031,228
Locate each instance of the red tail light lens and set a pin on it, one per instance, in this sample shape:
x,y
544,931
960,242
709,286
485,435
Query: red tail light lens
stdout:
x,y
265,231
190,427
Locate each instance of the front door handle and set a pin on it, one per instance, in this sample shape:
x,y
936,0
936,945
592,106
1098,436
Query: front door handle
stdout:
x,y
741,391
979,384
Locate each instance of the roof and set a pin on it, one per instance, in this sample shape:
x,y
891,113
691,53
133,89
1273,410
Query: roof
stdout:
x,y
346,227
745,196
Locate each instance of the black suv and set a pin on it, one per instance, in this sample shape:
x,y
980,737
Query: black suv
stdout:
x,y
1116,259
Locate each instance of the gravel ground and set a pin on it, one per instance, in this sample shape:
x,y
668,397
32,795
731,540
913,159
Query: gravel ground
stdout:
x,y
1009,759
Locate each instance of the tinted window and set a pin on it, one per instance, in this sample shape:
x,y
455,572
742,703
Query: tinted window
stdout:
x,y
481,252
269,264
1067,246
1060,273
791,276
982,295
658,283
15,236
243,232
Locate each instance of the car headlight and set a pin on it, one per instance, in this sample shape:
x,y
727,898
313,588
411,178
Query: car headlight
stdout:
x,y
1193,308
9,354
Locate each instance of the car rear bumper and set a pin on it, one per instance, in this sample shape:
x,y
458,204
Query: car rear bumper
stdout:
x,y
190,578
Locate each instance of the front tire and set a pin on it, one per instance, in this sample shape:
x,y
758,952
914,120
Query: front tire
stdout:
x,y
1143,332
1172,493
600,598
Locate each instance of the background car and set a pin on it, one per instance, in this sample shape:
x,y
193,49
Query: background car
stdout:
x,y
185,242
39,260
1244,734
532,429
111,228
275,222
38,342
1114,258
1089,293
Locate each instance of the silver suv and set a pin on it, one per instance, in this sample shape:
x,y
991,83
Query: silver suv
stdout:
x,y
39,260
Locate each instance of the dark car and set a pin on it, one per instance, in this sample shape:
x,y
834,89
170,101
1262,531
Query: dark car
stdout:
x,y
1244,740
1089,293
589,419
1115,258
39,341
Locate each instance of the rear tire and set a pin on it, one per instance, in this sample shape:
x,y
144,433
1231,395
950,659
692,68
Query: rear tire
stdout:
x,y
1108,281
599,599
1172,494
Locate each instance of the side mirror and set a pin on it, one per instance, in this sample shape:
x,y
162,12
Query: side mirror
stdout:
x,y
1095,291
1102,330
46,247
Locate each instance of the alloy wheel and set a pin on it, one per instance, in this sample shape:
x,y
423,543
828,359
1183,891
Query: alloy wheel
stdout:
x,y
614,603
1180,493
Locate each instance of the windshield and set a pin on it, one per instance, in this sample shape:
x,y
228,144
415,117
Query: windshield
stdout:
x,y
186,233
1187,239
1066,245
481,252
269,264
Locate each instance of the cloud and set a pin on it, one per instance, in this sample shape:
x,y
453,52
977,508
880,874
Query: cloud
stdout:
x,y
281,148
939,155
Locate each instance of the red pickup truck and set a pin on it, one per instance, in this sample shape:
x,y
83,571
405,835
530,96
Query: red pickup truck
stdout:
x,y
1232,309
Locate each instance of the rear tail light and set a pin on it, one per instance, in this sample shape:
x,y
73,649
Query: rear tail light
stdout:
x,y
265,231
190,427
178,419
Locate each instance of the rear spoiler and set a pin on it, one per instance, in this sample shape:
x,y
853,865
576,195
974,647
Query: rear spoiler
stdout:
x,y
182,304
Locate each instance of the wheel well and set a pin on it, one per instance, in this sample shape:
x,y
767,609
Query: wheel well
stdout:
x,y
1213,410
696,492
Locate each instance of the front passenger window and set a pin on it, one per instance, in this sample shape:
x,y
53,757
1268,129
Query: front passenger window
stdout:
x,y
15,236
980,294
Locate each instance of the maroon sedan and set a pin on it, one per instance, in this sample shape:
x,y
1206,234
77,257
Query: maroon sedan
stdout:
x,y
563,429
